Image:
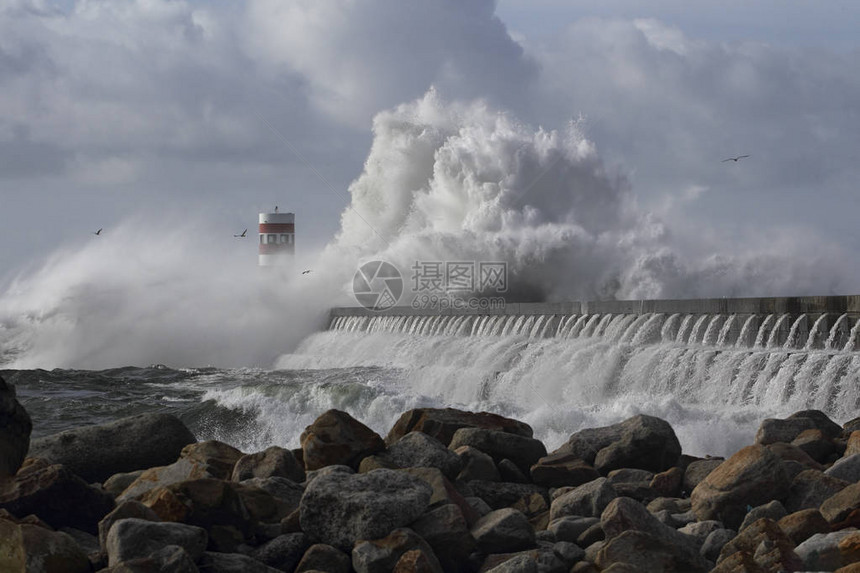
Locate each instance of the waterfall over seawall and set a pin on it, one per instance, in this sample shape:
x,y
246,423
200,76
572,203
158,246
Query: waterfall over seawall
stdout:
x,y
722,370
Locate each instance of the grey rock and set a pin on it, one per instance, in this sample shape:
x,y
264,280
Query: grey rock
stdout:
x,y
625,514
45,550
524,452
283,489
97,452
272,462
479,505
570,528
671,504
15,428
562,469
700,530
499,495
821,421
847,469
697,471
773,430
629,475
714,543
332,469
446,531
810,488
568,552
821,551
503,530
118,483
124,510
132,538
510,473
517,564
417,449
340,508
647,553
591,535
587,500
283,552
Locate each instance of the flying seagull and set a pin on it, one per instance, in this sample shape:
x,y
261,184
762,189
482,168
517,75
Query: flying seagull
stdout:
x,y
99,232
735,159
306,272
243,233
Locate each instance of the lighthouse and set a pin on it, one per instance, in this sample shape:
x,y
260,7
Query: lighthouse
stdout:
x,y
277,238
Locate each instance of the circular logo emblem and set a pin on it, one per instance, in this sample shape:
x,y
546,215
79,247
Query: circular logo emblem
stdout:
x,y
377,285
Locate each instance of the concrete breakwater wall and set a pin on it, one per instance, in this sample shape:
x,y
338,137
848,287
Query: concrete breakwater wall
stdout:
x,y
828,322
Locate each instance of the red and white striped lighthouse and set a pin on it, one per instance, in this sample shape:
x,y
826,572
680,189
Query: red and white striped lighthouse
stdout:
x,y
277,238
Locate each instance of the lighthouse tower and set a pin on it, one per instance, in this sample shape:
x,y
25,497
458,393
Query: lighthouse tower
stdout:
x,y
277,238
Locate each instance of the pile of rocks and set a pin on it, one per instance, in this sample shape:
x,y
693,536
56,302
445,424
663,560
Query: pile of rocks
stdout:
x,y
446,490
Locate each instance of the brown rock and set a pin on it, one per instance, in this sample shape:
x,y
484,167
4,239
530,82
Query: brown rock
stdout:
x,y
15,427
803,524
646,553
749,539
739,562
524,452
790,453
810,488
444,491
272,462
840,505
52,551
476,465
562,469
336,438
853,445
204,502
322,557
56,495
215,458
774,430
816,444
447,532
698,470
381,555
416,561
441,423
668,483
751,477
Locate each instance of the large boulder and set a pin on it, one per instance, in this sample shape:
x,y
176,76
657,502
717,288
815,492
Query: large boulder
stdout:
x,y
752,476
35,549
842,504
523,451
97,452
383,554
56,495
447,531
643,442
124,510
340,508
587,500
642,552
336,438
810,488
15,427
442,423
830,551
562,469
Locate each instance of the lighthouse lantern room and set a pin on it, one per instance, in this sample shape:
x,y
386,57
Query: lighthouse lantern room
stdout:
x,y
277,238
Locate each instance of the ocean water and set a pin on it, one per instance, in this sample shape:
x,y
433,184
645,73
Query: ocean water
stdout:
x,y
714,378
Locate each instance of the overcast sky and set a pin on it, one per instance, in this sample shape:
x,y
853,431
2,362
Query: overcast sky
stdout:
x,y
113,109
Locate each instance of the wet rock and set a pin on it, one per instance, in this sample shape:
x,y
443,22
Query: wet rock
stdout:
x,y
271,462
133,538
845,468
336,438
829,551
447,532
562,469
698,470
322,557
810,488
442,423
524,452
803,524
773,510
417,449
587,500
56,495
97,452
840,505
15,428
124,510
476,465
499,495
283,552
752,476
503,530
339,508
382,555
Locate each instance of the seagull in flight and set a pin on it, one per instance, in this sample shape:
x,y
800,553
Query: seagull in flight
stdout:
x,y
307,272
735,159
243,234
98,233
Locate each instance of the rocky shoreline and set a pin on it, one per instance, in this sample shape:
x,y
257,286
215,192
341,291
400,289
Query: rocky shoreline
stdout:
x,y
445,490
